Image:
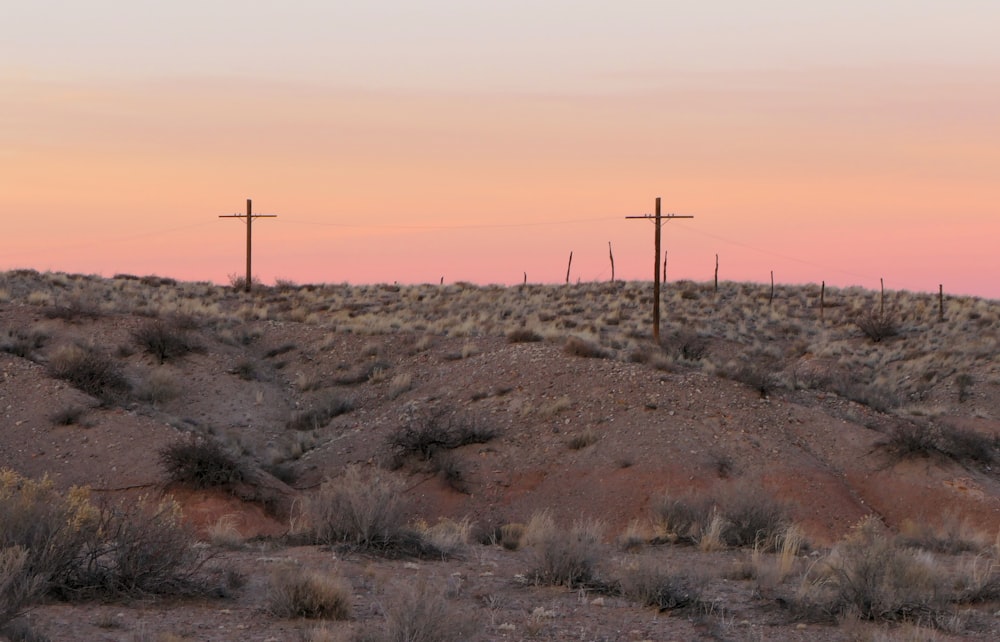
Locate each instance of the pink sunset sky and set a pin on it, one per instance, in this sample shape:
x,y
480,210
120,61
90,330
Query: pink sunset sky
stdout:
x,y
478,141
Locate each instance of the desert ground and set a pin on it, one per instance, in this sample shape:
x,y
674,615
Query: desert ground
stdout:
x,y
462,462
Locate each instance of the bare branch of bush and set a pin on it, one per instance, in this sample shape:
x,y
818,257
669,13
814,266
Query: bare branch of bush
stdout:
x,y
878,322
91,371
201,463
164,340
427,434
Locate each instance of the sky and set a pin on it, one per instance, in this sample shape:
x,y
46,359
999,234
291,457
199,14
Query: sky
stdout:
x,y
401,141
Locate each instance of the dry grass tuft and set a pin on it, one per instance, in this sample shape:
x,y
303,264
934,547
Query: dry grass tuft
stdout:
x,y
582,348
301,593
567,557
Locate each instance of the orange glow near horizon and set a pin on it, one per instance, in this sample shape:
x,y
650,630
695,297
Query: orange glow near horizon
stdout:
x,y
843,180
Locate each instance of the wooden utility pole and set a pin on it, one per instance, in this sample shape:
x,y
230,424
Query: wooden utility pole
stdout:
x,y
658,219
249,216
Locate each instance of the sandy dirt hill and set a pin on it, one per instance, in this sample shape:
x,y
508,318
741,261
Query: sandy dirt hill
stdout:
x,y
494,405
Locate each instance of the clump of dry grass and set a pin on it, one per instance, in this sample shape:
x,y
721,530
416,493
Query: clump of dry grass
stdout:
x,y
365,509
158,387
869,575
422,613
524,335
735,517
653,585
295,592
320,414
588,437
579,347
565,557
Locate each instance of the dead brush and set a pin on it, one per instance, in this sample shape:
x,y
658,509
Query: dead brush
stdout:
x,y
426,435
318,416
92,371
579,347
871,576
295,592
422,613
567,557
363,509
165,340
201,463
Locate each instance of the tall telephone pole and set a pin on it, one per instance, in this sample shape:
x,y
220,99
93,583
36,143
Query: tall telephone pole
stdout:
x,y
658,219
249,216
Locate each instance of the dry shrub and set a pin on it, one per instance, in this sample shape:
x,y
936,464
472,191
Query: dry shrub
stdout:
x,y
568,557
652,585
752,518
23,343
582,348
448,536
74,309
164,340
139,549
423,614
878,322
201,463
362,508
320,415
18,586
91,371
737,517
295,592
523,335
910,440
224,533
426,435
77,550
586,438
399,384
950,534
870,576
68,415
159,387
679,519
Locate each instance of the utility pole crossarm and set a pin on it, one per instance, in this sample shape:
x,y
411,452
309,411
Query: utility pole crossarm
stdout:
x,y
249,216
658,218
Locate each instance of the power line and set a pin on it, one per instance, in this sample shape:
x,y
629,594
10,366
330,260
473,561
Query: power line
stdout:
x,y
449,227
